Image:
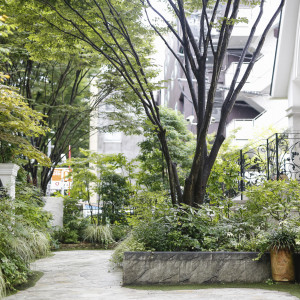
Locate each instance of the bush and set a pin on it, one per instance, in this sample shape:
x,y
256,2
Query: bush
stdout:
x,y
101,234
153,235
120,231
23,235
158,226
129,244
74,224
2,285
275,199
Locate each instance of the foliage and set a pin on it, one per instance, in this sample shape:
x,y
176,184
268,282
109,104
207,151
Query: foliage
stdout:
x,y
54,75
114,192
152,167
99,234
148,206
117,32
281,239
23,234
277,198
2,285
270,218
120,231
223,179
73,223
129,244
112,185
18,123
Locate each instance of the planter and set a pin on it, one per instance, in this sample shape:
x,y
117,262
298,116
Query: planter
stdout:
x,y
143,268
282,265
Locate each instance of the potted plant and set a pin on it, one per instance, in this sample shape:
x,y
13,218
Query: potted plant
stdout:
x,y
281,244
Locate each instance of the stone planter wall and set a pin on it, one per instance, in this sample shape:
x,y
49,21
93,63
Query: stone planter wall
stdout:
x,y
197,267
194,267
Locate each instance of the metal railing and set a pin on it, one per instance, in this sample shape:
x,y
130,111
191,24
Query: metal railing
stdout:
x,y
275,158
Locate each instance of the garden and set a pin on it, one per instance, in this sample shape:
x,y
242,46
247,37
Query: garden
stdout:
x,y
60,65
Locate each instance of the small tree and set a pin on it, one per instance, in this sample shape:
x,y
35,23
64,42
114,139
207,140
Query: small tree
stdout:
x,y
152,171
104,179
113,29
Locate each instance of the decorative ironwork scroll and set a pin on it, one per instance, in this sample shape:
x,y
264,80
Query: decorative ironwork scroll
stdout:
x,y
276,158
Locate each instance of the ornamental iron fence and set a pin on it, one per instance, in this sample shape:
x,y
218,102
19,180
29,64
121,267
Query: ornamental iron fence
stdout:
x,y
275,158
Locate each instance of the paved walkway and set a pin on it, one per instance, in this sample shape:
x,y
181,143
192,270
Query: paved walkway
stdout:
x,y
72,275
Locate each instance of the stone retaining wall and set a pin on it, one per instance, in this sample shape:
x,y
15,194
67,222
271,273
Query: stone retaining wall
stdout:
x,y
194,267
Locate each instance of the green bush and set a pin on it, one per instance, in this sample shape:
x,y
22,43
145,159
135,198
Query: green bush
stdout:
x,y
119,231
2,285
74,224
129,244
224,226
99,234
153,235
23,235
273,201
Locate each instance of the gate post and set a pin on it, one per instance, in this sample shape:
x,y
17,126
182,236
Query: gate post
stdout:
x,y
8,174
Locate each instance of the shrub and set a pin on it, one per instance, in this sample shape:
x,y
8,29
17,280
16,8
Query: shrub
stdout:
x,y
129,244
275,199
153,235
2,285
101,234
120,231
23,235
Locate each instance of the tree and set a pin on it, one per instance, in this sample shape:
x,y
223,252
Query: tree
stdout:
x,y
107,179
113,31
152,171
55,72
18,122
58,85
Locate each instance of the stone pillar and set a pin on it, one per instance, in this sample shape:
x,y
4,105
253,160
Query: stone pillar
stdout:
x,y
8,174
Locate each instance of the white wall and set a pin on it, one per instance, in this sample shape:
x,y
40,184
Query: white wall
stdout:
x,y
55,205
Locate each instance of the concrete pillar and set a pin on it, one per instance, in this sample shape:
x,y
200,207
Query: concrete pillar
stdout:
x,y
8,174
293,112
55,205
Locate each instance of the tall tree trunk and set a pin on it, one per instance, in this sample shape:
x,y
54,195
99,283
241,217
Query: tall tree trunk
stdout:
x,y
175,189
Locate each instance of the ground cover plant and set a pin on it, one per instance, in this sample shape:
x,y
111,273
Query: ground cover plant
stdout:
x,y
223,226
23,235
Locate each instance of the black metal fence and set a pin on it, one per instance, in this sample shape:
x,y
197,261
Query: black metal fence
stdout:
x,y
277,157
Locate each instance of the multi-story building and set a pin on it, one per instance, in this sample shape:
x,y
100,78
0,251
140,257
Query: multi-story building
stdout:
x,y
253,108
286,79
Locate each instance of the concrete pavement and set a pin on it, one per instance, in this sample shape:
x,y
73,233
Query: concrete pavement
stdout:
x,y
88,274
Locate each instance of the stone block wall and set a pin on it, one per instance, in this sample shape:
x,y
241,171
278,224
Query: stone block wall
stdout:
x,y
194,267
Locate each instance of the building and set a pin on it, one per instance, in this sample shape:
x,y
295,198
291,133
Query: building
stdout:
x,y
286,79
253,109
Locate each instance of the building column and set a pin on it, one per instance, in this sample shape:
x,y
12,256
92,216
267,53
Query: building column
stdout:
x,y
8,174
293,112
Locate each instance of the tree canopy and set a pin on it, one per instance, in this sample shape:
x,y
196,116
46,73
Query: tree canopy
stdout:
x,y
116,30
18,122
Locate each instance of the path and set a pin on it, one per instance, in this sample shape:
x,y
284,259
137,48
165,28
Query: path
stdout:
x,y
72,275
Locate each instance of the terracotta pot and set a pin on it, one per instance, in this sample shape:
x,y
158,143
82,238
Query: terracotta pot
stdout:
x,y
282,265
